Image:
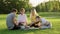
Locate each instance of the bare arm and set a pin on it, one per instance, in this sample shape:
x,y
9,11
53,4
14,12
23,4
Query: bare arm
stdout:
x,y
15,21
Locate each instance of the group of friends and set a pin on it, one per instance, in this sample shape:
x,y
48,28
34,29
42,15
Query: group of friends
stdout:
x,y
21,21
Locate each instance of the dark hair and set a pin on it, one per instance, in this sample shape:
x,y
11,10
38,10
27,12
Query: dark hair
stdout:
x,y
14,10
37,17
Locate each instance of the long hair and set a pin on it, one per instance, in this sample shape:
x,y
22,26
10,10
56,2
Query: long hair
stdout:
x,y
35,13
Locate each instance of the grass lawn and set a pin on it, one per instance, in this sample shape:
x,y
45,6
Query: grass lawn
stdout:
x,y
53,17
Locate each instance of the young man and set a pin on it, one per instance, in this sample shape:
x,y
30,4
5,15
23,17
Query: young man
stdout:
x,y
44,23
41,23
11,20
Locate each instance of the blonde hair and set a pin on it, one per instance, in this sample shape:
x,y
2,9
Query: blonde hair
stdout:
x,y
21,10
32,17
35,13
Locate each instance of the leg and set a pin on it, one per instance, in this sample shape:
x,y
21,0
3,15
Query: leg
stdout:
x,y
37,25
15,28
46,26
32,24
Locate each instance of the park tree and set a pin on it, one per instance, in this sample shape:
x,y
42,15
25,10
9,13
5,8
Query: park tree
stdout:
x,y
50,6
7,5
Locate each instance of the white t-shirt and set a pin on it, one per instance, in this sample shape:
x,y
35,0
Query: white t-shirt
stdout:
x,y
22,18
43,20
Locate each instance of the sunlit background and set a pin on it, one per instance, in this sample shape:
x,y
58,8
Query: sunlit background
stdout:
x,y
36,2
39,5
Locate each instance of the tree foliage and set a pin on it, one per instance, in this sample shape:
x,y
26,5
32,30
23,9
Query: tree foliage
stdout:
x,y
51,6
7,5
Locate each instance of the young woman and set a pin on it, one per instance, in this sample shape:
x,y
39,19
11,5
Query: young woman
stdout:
x,y
22,18
33,16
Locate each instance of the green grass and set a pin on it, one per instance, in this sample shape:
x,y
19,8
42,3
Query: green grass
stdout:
x,y
53,17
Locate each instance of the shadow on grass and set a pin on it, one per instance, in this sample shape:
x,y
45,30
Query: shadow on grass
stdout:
x,y
5,31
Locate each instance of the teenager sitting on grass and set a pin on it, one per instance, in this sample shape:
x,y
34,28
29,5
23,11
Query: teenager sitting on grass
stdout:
x,y
11,20
22,18
43,22
33,18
